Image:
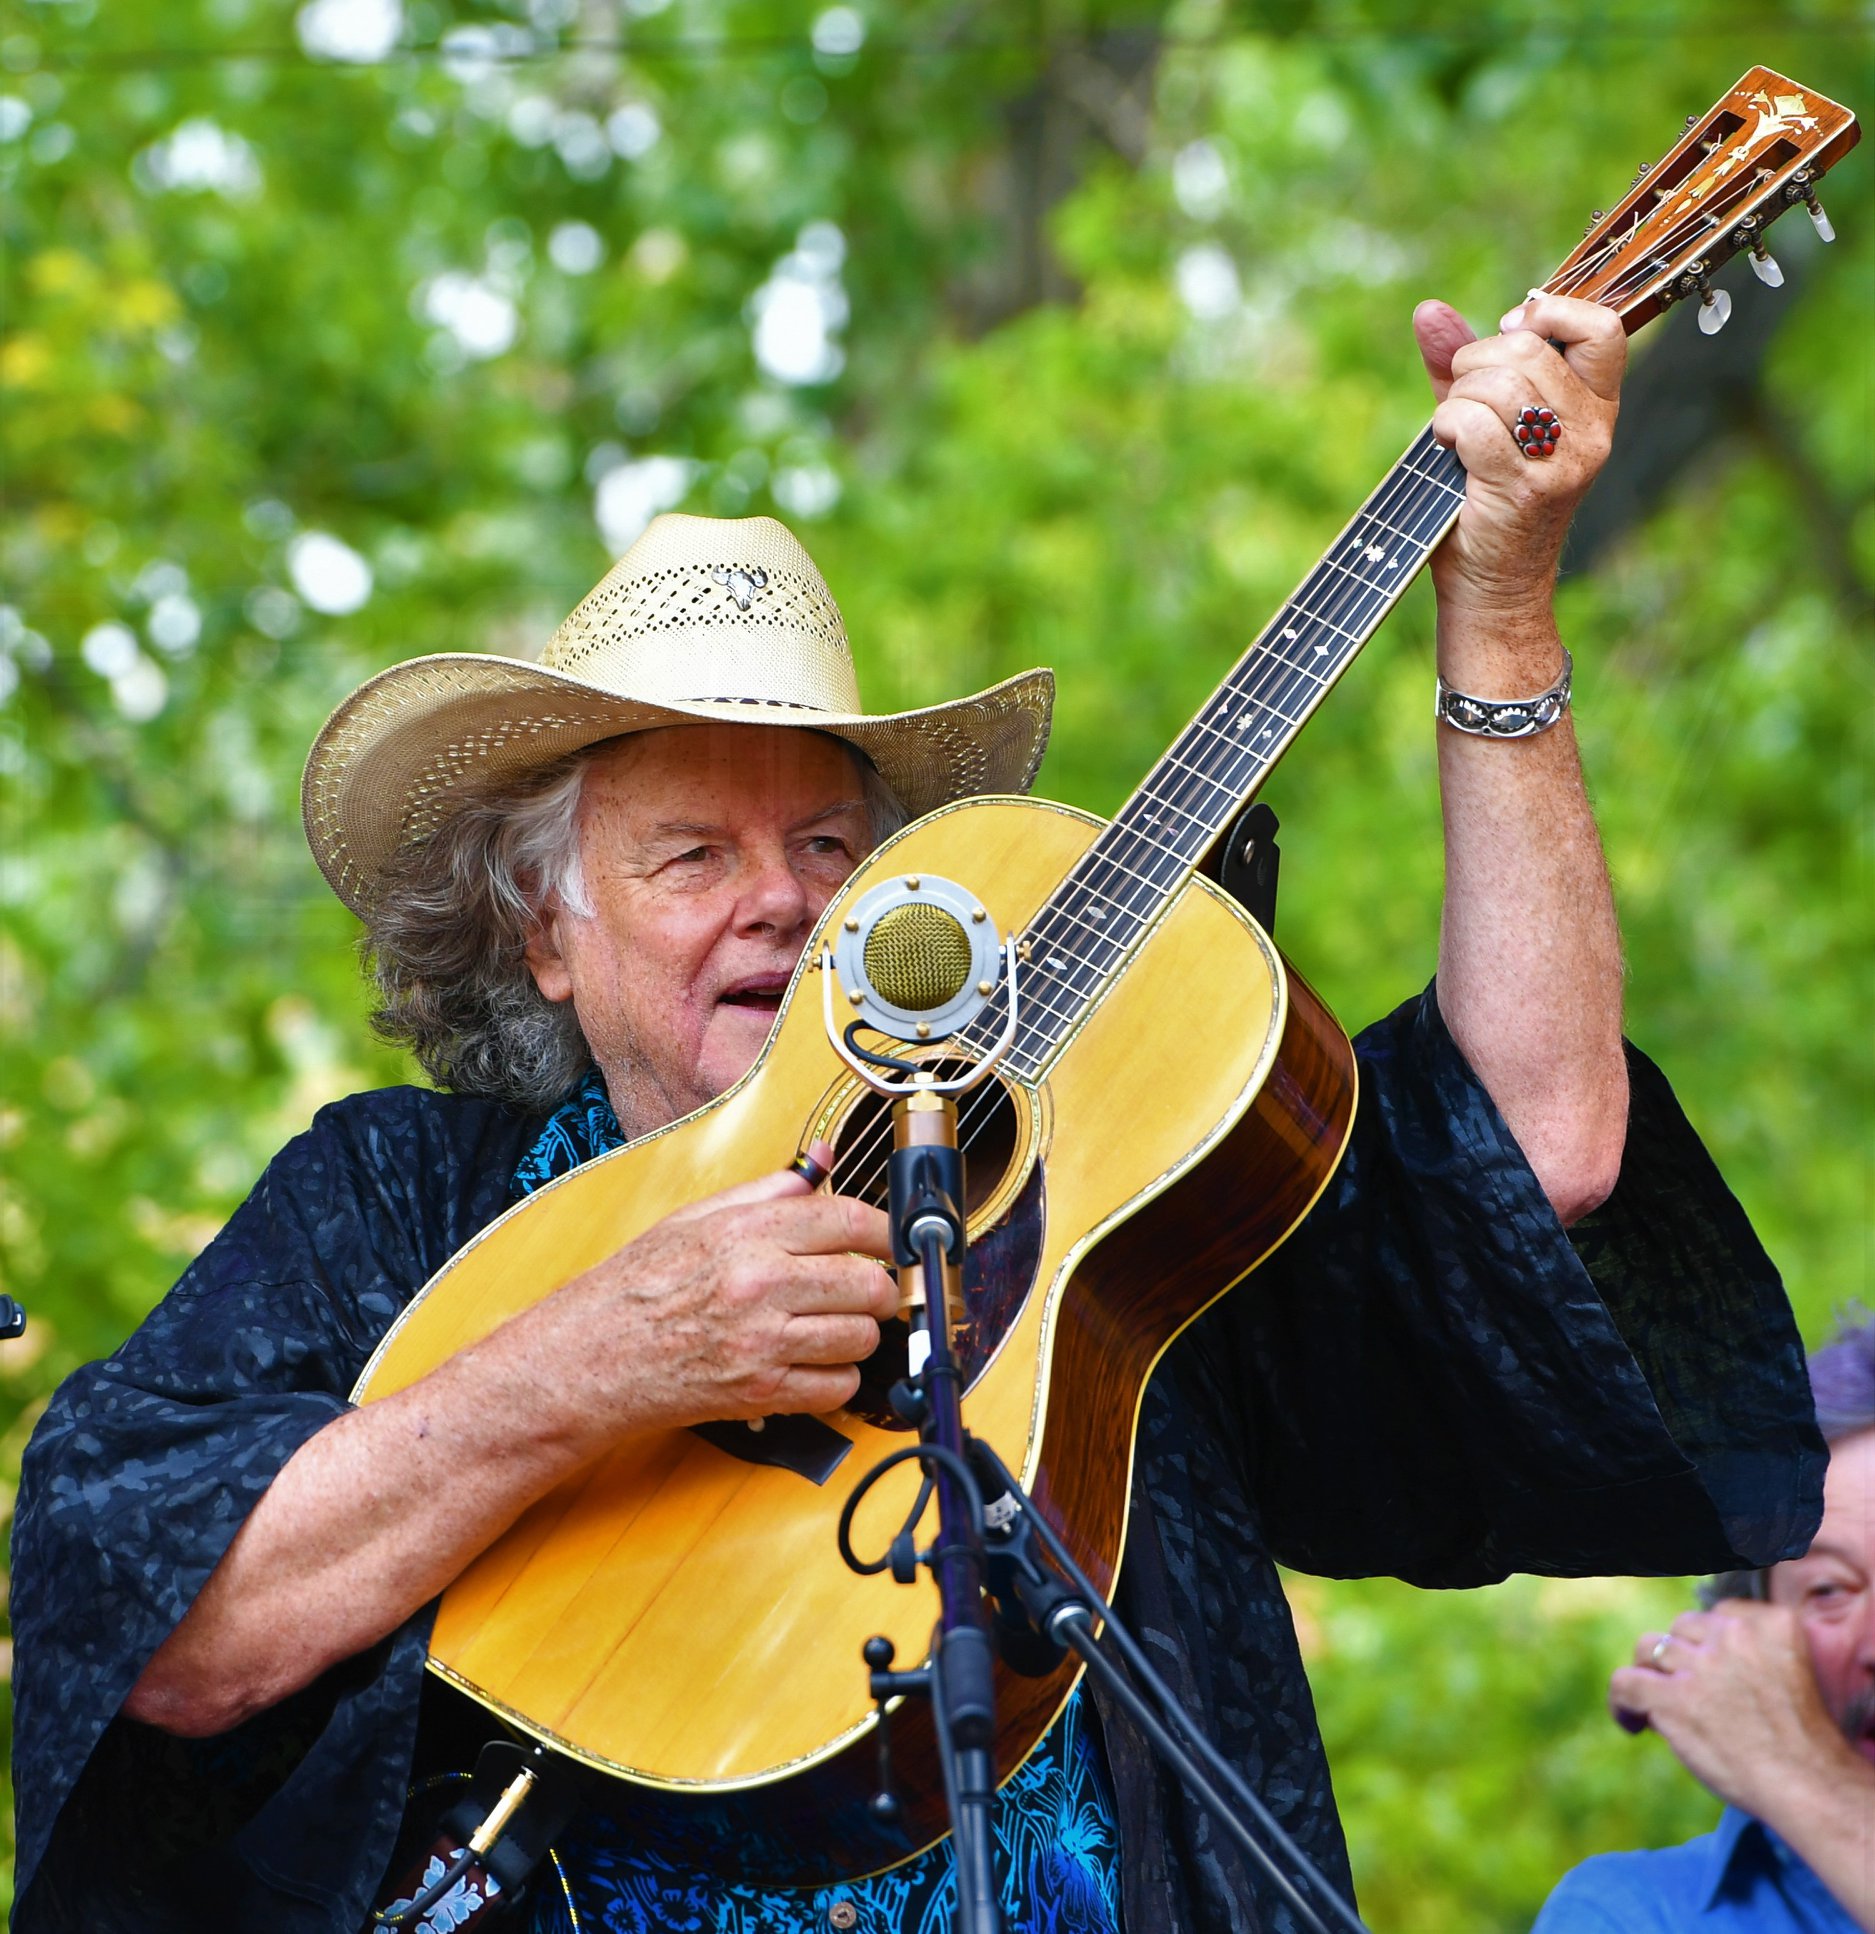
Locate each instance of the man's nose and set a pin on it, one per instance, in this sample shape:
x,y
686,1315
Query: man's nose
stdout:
x,y
774,897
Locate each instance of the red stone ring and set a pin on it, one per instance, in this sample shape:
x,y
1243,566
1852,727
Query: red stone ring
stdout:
x,y
1536,430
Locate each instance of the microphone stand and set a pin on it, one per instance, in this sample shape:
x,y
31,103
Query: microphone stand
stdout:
x,y
1044,1606
1043,1612
925,1205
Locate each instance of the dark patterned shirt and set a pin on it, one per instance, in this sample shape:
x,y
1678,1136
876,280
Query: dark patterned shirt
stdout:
x,y
1429,1379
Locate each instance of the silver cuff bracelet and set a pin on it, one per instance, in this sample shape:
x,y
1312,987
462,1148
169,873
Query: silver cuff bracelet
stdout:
x,y
1505,718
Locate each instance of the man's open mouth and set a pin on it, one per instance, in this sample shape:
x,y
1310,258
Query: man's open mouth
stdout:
x,y
762,994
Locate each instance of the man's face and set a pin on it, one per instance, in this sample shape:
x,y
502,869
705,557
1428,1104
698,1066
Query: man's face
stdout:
x,y
1832,1590
709,852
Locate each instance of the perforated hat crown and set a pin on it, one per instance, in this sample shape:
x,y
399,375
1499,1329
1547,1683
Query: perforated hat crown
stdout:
x,y
703,619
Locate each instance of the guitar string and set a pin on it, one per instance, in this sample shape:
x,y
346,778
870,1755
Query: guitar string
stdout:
x,y
1094,874
1402,494
1348,591
1726,210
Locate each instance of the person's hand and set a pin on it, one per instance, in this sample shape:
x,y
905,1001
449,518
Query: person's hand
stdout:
x,y
751,1303
1504,552
1733,1693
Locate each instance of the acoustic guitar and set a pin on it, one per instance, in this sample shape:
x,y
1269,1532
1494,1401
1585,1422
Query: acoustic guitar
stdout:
x,y
1175,1099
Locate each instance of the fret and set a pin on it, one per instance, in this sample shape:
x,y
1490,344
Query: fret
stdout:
x,y
1098,932
1103,856
1352,570
1416,539
1316,617
1272,643
1169,852
1442,483
1198,772
1249,699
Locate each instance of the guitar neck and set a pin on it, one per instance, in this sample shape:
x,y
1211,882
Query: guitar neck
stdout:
x,y
1091,922
1751,157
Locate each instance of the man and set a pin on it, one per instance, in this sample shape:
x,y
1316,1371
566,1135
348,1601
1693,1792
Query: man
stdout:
x,y
1767,1697
585,884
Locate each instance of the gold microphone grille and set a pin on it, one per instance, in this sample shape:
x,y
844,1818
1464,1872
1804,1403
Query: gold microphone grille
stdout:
x,y
918,957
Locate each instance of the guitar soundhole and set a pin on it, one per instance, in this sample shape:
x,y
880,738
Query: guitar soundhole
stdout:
x,y
1003,1250
987,1131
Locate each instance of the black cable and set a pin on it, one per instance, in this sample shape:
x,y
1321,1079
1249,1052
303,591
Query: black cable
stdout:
x,y
877,1059
1176,1717
937,1454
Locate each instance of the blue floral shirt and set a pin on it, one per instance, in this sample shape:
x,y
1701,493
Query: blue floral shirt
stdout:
x,y
1057,1846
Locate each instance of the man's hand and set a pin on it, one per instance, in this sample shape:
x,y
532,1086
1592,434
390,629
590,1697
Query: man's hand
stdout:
x,y
750,1303
1504,552
1733,1693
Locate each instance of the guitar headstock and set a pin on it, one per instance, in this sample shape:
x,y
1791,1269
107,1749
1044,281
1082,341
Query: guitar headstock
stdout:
x,y
1750,158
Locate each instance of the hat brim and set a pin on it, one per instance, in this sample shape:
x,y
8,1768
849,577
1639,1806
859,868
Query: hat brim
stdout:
x,y
408,746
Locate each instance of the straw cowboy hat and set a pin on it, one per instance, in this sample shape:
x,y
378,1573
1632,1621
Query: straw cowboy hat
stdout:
x,y
702,619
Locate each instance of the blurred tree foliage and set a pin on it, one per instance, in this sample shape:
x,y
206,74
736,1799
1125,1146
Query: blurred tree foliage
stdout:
x,y
1067,335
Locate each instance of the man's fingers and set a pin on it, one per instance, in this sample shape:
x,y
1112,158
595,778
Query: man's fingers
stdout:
x,y
831,1339
1440,332
1594,344
813,1390
1507,391
827,1225
1476,432
777,1187
818,1285
1633,1693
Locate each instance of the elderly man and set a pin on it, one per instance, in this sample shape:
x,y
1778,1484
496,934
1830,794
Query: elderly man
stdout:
x,y
586,884
1767,1697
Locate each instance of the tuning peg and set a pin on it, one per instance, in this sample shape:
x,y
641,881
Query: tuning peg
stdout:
x,y
1764,267
1715,310
1802,189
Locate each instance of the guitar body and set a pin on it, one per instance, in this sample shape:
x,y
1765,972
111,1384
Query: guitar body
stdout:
x,y
679,1615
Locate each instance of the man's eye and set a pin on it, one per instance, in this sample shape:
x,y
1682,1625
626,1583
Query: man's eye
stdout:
x,y
827,843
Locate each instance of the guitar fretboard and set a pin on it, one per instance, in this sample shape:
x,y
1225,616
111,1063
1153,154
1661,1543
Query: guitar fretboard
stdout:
x,y
1090,923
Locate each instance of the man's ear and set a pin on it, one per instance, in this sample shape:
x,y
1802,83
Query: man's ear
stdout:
x,y
546,957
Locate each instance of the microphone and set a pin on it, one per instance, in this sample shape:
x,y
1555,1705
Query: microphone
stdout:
x,y
919,958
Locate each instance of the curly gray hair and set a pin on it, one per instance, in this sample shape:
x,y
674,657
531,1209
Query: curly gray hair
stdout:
x,y
446,941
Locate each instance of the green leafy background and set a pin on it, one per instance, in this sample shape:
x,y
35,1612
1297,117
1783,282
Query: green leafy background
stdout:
x,y
1119,297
